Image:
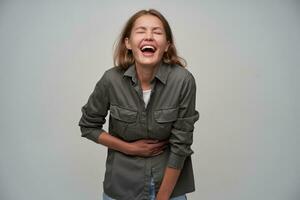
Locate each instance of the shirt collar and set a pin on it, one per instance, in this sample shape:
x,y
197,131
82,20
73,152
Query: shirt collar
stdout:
x,y
130,72
161,73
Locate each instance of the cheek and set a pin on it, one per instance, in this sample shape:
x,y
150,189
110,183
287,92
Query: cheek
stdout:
x,y
163,47
135,39
162,43
136,52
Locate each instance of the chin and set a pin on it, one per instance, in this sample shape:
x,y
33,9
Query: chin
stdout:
x,y
148,62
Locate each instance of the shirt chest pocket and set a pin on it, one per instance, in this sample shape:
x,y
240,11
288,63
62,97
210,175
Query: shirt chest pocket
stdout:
x,y
120,120
164,119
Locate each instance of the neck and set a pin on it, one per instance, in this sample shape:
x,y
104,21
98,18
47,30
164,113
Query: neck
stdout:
x,y
145,75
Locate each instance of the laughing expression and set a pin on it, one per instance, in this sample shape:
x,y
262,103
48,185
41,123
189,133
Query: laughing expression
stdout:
x,y
147,41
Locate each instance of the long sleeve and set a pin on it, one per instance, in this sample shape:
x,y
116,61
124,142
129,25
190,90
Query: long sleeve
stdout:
x,y
182,131
95,111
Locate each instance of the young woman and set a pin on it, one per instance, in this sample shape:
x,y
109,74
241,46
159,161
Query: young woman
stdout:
x,y
151,99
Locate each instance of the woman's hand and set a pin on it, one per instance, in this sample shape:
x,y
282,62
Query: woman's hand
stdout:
x,y
147,147
143,147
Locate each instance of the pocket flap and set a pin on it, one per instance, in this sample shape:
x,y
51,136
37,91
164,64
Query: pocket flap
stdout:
x,y
166,115
123,114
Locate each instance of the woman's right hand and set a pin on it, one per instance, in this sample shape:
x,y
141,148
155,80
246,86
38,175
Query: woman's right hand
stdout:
x,y
143,147
147,147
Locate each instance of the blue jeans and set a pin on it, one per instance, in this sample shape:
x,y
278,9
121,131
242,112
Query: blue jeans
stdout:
x,y
152,193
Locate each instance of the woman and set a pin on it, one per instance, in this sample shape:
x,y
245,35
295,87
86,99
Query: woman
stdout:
x,y
151,99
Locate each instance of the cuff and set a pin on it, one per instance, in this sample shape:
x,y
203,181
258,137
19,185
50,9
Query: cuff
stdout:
x,y
176,161
92,134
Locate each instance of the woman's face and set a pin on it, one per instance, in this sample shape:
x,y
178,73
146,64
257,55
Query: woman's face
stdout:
x,y
147,41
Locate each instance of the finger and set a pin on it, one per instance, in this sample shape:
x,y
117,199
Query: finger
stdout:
x,y
157,153
152,141
157,149
159,144
164,142
163,147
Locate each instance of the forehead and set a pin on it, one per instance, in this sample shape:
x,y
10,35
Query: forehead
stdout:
x,y
148,21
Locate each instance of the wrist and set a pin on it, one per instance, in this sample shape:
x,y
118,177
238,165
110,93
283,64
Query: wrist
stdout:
x,y
127,148
162,196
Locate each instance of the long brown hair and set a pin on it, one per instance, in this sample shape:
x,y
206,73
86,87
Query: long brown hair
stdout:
x,y
124,57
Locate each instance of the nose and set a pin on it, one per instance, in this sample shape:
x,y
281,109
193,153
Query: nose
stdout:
x,y
149,35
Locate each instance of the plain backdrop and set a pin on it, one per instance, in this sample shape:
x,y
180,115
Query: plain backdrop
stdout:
x,y
243,54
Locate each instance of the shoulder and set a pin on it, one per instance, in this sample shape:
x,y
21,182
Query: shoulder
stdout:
x,y
179,73
111,74
114,72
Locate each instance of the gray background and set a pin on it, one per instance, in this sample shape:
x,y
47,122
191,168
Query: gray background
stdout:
x,y
243,54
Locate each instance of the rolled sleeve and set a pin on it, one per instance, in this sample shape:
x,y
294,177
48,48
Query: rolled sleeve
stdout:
x,y
95,111
181,137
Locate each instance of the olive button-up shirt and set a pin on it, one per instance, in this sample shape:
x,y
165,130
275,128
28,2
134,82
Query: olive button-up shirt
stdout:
x,y
170,114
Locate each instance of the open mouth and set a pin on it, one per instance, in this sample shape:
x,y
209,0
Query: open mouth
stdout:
x,y
148,49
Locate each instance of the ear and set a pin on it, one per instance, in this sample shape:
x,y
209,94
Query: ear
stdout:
x,y
127,43
167,47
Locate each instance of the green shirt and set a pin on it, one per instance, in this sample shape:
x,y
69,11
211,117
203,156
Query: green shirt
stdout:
x,y
170,114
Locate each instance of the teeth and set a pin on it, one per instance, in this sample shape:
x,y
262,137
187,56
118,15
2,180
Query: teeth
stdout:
x,y
148,47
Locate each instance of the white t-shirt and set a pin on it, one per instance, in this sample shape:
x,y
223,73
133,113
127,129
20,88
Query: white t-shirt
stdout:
x,y
146,96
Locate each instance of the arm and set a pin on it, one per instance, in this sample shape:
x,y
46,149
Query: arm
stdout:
x,y
93,118
95,111
181,137
143,148
168,183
